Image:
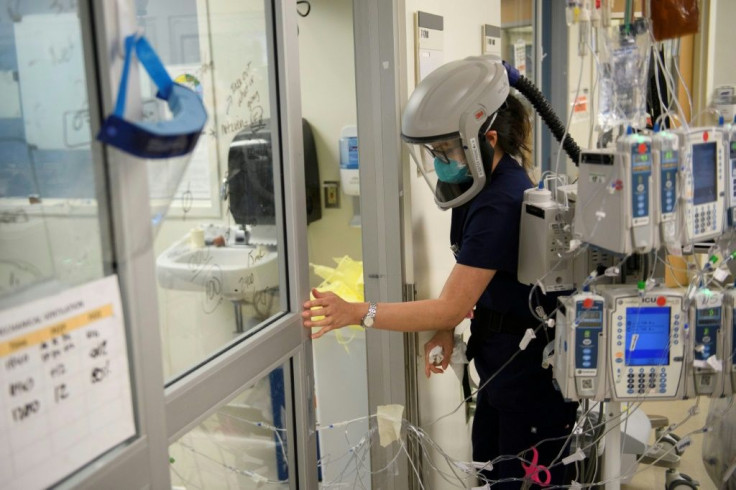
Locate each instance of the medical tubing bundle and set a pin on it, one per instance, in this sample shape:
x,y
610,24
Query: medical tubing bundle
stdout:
x,y
544,109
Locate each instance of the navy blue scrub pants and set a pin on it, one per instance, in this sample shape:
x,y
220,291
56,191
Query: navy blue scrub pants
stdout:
x,y
517,409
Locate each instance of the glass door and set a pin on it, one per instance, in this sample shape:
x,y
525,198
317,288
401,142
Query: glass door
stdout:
x,y
229,254
166,294
220,262
69,352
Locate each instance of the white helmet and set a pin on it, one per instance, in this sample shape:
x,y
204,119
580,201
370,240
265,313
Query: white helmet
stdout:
x,y
445,121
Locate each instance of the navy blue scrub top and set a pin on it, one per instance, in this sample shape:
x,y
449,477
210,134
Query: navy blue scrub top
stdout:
x,y
484,233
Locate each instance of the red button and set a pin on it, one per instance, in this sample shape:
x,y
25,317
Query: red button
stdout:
x,y
705,136
479,114
642,148
588,303
661,301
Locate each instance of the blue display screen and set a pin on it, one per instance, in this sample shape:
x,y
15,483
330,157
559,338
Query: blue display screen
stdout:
x,y
704,173
647,336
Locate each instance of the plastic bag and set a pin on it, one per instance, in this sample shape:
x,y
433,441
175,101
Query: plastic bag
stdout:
x,y
674,18
719,444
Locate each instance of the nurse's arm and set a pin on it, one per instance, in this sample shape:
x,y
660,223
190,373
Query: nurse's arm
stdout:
x,y
459,295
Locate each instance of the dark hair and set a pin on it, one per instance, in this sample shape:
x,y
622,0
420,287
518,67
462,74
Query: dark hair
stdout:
x,y
514,129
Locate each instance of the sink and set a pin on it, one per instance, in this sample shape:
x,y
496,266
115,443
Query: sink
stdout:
x,y
236,272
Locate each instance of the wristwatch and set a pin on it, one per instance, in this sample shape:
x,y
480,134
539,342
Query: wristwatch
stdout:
x,y
367,321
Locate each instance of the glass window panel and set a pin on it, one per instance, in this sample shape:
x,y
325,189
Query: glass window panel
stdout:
x,y
63,355
242,445
219,264
50,228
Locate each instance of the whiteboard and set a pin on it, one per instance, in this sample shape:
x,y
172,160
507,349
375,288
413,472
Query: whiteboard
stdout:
x,y
53,90
65,391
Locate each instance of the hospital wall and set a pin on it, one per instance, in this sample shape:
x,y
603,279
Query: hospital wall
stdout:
x,y
432,258
722,65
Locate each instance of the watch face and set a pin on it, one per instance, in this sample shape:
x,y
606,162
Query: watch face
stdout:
x,y
368,321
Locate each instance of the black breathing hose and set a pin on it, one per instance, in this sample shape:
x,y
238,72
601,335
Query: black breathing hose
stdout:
x,y
544,109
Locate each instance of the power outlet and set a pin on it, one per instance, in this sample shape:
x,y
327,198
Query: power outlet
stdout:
x,y
332,193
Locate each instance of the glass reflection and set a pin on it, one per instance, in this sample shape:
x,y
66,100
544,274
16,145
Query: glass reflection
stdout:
x,y
219,260
242,445
50,226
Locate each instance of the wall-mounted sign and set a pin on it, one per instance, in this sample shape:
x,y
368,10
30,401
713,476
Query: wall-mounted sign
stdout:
x,y
491,38
430,40
65,394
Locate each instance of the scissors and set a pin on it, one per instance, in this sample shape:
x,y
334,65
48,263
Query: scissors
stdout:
x,y
533,470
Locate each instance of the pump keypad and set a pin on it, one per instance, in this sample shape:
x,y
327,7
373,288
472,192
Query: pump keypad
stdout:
x,y
642,381
705,219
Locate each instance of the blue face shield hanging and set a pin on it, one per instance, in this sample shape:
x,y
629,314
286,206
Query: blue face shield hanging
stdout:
x,y
452,172
164,139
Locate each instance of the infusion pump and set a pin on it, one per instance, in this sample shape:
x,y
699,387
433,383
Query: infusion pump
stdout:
x,y
615,197
730,150
580,345
647,344
665,163
629,344
621,345
666,189
702,200
545,232
705,349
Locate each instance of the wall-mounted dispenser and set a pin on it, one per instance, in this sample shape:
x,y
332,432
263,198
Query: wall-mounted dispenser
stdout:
x,y
349,169
311,174
250,179
349,172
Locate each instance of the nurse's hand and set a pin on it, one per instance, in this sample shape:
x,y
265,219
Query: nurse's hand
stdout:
x,y
445,339
328,311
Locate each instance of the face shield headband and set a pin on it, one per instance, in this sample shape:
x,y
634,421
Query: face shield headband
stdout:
x,y
162,139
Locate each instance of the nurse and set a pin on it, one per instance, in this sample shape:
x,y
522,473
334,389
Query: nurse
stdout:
x,y
468,137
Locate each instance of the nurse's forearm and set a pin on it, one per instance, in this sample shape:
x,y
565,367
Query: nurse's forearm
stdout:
x,y
459,295
415,316
327,311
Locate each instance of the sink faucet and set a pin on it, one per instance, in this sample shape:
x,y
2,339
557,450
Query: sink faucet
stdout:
x,y
223,188
226,183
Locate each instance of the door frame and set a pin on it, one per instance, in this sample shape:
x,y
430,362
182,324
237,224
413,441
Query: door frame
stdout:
x,y
380,74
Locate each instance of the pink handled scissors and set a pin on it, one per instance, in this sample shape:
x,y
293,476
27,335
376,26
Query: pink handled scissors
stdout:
x,y
533,470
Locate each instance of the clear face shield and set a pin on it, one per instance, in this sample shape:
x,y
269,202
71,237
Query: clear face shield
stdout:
x,y
166,144
444,165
